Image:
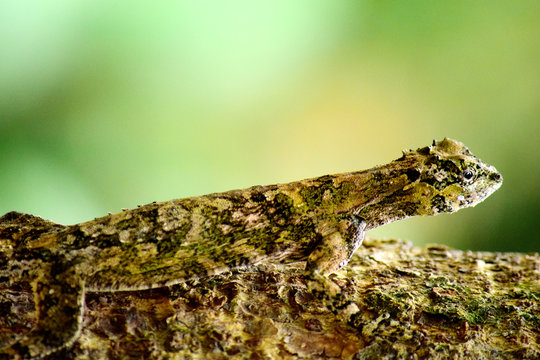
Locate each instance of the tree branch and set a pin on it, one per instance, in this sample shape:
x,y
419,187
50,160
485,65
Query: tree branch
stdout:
x,y
396,301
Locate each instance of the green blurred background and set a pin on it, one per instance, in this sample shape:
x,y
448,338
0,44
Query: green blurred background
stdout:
x,y
109,104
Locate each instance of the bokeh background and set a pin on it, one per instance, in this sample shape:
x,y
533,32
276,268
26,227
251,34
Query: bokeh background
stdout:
x,y
107,104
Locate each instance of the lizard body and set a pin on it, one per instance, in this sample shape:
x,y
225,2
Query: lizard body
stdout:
x,y
319,221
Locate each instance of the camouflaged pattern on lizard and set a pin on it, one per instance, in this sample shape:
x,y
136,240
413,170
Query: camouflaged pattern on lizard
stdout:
x,y
319,222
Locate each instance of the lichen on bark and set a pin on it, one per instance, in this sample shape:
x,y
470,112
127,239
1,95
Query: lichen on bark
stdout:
x,y
395,301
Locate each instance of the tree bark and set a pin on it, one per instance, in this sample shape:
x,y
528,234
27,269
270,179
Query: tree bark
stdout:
x,y
394,301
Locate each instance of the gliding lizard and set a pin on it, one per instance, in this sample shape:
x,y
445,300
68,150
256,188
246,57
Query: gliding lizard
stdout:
x,y
319,221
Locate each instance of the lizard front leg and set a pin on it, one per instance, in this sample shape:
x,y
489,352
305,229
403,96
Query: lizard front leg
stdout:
x,y
340,240
59,301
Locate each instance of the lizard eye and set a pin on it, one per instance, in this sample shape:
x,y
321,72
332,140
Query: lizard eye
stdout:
x,y
467,174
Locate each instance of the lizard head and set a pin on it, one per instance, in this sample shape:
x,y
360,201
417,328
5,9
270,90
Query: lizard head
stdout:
x,y
451,177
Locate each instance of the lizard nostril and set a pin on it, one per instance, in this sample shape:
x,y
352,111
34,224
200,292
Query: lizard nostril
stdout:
x,y
495,176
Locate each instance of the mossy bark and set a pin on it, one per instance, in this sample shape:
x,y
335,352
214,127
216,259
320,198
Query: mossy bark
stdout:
x,y
395,301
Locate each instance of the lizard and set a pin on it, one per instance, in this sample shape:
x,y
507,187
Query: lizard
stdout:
x,y
319,221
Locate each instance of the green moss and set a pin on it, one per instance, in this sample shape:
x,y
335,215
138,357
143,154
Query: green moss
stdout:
x,y
477,312
392,303
524,291
530,319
